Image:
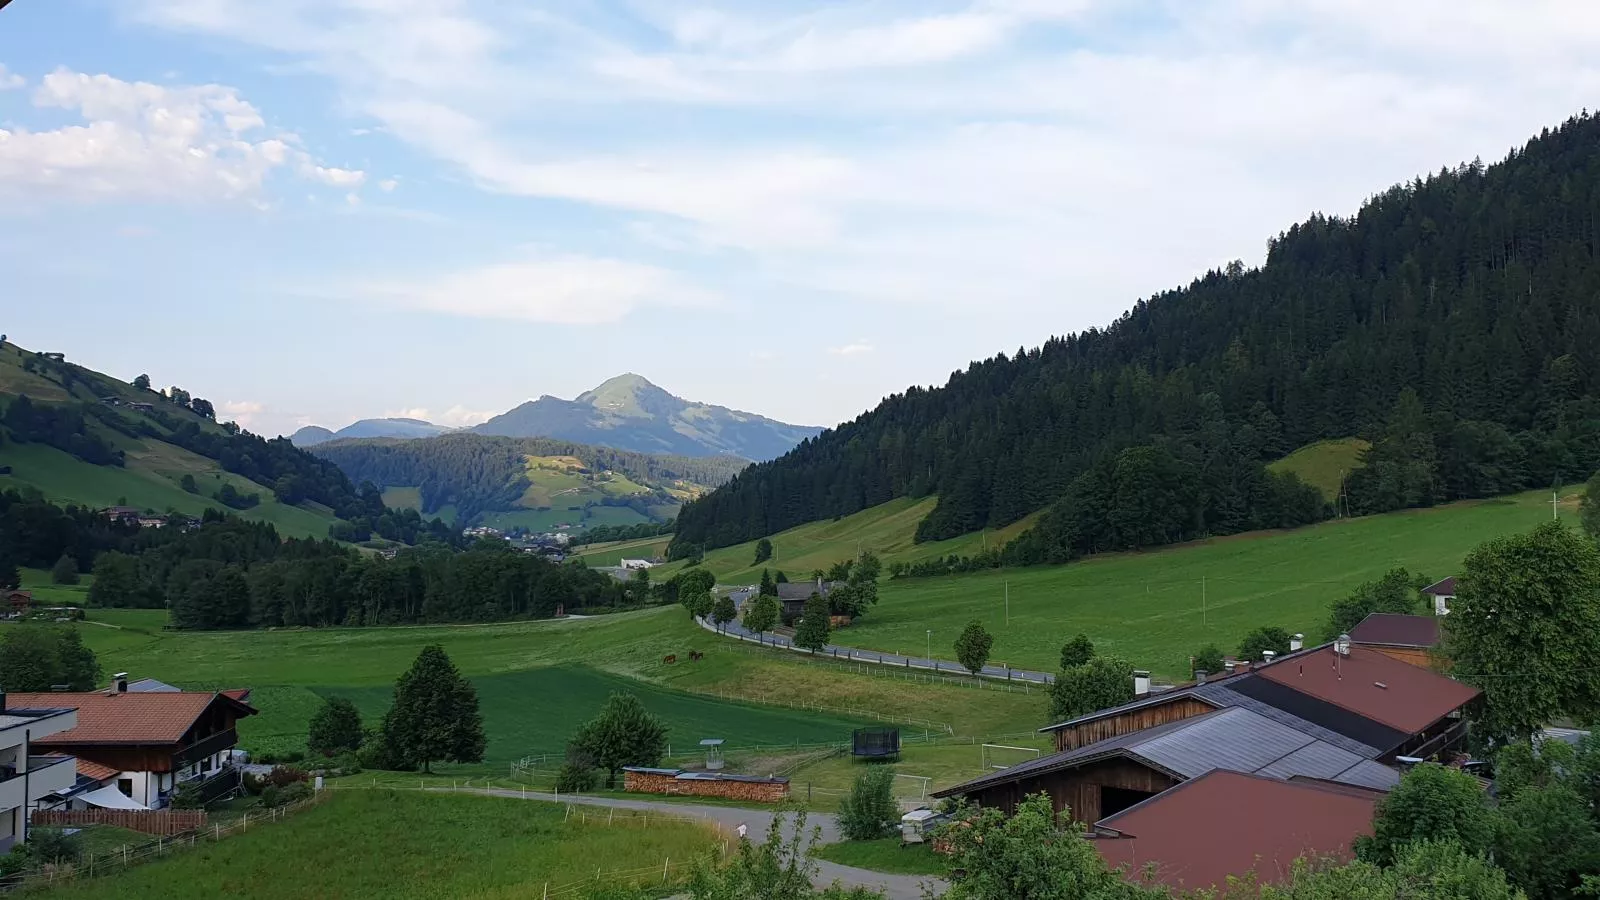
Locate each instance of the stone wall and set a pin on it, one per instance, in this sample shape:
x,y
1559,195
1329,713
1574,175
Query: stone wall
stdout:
x,y
748,791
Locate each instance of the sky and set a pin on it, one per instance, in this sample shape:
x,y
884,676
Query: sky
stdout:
x,y
313,211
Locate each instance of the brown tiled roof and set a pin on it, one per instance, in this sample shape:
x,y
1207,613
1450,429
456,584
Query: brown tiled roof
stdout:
x,y
1445,588
128,718
1393,630
1377,687
1269,823
240,694
94,770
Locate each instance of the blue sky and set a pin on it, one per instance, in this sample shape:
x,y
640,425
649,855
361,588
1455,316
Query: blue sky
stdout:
x,y
320,210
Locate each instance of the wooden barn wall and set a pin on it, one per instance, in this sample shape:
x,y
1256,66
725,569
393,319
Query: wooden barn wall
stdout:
x,y
1134,720
1078,790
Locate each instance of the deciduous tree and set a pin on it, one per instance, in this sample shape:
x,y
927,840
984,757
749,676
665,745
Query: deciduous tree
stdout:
x,y
142,383
761,615
1524,627
1103,682
624,733
435,713
335,728
869,811
65,571
972,647
38,657
1262,639
1589,513
812,632
724,610
1077,651
1396,592
1431,802
1209,659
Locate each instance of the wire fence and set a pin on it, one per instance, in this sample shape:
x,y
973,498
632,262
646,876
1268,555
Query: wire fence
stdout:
x,y
133,854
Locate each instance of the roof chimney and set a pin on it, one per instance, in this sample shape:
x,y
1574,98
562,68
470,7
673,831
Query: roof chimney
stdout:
x,y
1268,655
1141,682
1199,676
121,681
1342,645
1297,642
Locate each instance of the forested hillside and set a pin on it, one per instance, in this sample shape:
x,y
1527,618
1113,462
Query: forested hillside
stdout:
x,y
1453,321
478,473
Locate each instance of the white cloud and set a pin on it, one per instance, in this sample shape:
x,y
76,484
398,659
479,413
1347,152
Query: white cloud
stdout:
x,y
1055,156
246,412
557,289
339,178
455,417
853,349
10,81
388,185
148,141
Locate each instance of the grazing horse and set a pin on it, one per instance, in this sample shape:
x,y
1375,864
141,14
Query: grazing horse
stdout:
x,y
696,656
670,659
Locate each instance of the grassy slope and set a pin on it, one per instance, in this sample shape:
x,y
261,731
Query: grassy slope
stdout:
x,y
611,553
1325,463
526,677
406,846
149,480
886,529
886,855
1148,606
47,592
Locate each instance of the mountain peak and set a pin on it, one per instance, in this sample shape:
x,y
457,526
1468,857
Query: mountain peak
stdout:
x,y
629,395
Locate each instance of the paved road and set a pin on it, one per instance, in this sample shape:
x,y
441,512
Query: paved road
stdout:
x,y
736,629
897,887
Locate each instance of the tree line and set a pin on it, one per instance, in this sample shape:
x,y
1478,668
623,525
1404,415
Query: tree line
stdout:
x,y
1469,289
480,473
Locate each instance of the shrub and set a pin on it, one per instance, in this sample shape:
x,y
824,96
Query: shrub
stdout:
x,y
269,796
287,794
283,776
576,776
187,797
14,862
50,845
869,812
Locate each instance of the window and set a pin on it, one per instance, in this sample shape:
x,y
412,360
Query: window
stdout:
x,y
125,785
205,764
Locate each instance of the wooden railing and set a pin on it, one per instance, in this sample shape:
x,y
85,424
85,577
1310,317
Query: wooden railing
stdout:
x,y
206,746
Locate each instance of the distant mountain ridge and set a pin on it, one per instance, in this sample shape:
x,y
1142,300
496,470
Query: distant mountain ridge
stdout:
x,y
311,435
629,413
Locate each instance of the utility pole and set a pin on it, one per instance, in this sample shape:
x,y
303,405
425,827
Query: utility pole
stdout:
x,y
1008,603
930,643
1555,512
1202,601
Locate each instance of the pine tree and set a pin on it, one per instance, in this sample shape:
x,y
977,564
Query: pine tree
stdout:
x,y
812,632
763,551
435,713
768,587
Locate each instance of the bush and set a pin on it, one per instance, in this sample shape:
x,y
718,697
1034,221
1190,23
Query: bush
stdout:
x,y
187,797
14,862
869,812
283,776
576,776
283,796
269,796
49,845
65,571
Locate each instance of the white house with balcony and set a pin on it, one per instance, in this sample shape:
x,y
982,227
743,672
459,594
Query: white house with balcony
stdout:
x,y
27,777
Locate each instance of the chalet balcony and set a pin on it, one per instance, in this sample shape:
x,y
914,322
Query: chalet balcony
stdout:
x,y
45,775
216,743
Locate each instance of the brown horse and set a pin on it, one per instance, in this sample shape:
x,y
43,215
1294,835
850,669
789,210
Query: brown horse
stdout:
x,y
669,659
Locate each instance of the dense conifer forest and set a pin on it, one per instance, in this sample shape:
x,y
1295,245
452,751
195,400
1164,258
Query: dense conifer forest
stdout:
x,y
1454,321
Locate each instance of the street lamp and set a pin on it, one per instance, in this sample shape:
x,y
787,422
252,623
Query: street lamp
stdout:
x,y
930,644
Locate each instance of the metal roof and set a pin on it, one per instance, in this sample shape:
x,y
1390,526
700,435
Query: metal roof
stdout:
x,y
1234,739
1395,630
1226,695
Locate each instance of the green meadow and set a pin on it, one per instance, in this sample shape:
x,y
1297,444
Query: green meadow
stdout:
x,y
411,845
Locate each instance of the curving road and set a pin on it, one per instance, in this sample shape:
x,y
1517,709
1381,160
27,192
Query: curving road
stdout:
x,y
736,629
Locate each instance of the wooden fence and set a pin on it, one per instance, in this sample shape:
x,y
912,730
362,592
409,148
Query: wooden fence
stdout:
x,y
149,821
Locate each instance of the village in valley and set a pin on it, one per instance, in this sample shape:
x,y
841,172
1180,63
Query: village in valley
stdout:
x,y
346,555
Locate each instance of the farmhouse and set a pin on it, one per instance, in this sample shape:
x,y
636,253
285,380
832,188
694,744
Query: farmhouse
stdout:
x,y
1411,639
122,513
792,596
135,748
1443,593
28,777
143,407
15,602
1338,715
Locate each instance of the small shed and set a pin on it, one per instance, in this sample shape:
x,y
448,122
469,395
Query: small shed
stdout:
x,y
878,742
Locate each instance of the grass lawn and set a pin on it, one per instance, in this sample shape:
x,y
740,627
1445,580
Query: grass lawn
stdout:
x,y
886,855
1156,608
611,553
537,680
407,845
886,529
1325,463
47,593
